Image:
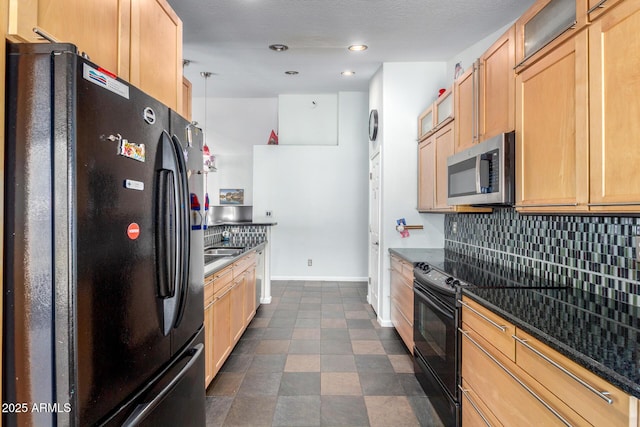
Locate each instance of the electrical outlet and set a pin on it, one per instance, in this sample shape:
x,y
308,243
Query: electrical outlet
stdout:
x,y
309,262
268,213
454,227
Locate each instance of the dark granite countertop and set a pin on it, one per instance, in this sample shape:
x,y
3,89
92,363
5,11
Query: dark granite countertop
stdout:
x,y
414,255
599,333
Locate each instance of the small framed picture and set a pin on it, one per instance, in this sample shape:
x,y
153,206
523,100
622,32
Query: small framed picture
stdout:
x,y
232,196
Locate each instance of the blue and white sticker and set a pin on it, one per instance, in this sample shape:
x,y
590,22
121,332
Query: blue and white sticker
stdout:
x,y
103,80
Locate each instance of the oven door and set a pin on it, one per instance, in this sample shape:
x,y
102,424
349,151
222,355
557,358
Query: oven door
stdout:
x,y
435,336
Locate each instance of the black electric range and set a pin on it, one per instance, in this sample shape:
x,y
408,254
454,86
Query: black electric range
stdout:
x,y
437,299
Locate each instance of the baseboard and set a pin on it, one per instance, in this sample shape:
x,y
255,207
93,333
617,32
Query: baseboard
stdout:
x,y
265,300
385,323
321,278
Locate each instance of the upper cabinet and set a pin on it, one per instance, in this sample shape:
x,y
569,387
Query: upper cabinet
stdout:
x,y
576,108
436,115
156,51
485,95
140,41
96,29
552,130
614,85
546,25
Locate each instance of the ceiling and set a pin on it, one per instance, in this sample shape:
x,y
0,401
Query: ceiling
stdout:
x,y
230,39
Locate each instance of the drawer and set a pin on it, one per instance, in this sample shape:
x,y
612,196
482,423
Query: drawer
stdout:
x,y
208,292
492,327
589,395
504,388
402,295
403,267
222,279
243,263
474,410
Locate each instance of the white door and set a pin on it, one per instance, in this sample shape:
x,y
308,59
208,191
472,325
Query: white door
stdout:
x,y
374,232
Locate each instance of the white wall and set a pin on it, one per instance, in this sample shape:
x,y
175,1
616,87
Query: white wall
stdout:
x,y
319,198
401,91
234,126
468,56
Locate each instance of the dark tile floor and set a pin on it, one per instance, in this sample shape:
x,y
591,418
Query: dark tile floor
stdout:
x,y
316,356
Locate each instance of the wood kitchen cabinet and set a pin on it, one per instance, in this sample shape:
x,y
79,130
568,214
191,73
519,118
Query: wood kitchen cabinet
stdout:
x,y
485,95
156,51
222,343
187,103
230,304
401,293
507,375
432,170
614,85
436,115
140,41
100,29
237,302
552,134
546,25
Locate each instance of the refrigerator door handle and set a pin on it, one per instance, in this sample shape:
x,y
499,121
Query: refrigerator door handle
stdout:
x,y
184,229
143,409
165,234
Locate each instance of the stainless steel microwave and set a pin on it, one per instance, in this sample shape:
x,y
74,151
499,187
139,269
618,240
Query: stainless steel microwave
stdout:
x,y
483,174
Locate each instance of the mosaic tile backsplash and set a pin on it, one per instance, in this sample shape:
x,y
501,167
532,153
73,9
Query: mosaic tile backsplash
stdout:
x,y
592,253
240,234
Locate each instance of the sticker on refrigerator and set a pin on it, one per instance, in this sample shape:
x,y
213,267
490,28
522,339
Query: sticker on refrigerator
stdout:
x,y
131,150
133,185
133,231
104,80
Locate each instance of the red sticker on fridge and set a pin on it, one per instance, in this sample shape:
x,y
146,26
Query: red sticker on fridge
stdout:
x,y
133,231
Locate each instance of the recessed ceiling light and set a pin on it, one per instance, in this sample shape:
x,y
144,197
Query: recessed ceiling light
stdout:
x,y
278,47
291,73
358,47
348,73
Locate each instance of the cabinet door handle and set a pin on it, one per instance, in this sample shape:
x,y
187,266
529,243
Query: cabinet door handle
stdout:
x,y
598,5
467,396
547,205
615,204
604,395
494,324
515,378
225,292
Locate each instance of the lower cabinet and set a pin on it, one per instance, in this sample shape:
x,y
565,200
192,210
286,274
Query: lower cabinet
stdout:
x,y
221,343
537,386
237,302
402,299
230,304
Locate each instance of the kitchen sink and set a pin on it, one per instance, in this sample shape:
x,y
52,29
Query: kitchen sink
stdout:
x,y
223,251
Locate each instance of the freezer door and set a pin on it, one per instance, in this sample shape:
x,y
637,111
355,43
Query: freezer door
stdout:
x,y
188,139
176,397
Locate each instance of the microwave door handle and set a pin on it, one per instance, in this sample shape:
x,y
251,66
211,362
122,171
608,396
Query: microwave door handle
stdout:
x,y
478,189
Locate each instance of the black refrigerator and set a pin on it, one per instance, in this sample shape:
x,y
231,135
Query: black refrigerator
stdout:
x,y
103,271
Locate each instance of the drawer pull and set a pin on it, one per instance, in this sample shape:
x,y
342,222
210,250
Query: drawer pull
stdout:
x,y
615,204
601,394
465,393
225,292
500,327
515,378
547,205
599,5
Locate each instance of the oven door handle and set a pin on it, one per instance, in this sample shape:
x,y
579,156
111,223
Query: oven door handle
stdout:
x,y
437,307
